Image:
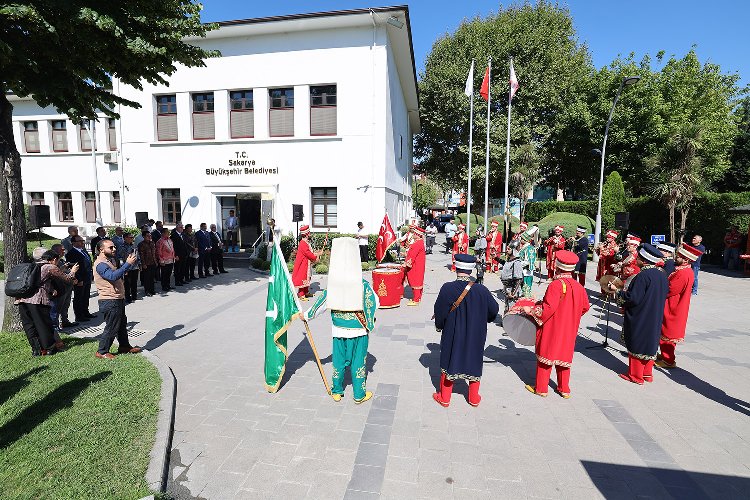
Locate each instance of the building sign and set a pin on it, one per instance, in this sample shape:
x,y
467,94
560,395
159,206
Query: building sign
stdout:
x,y
241,165
657,238
592,241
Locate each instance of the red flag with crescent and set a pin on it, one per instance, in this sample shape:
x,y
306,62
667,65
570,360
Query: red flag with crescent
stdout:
x,y
386,238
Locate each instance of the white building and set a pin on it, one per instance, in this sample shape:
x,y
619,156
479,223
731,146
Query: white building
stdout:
x,y
319,108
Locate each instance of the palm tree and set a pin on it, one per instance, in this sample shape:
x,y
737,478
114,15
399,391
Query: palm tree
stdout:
x,y
525,176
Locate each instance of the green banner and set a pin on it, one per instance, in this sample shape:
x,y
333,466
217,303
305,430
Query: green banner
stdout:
x,y
281,306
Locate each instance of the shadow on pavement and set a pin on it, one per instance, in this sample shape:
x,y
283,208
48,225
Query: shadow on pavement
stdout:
x,y
522,361
33,415
166,335
707,390
13,386
620,481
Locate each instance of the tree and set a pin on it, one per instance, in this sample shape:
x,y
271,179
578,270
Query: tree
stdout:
x,y
552,67
525,176
737,176
677,173
613,199
425,194
65,54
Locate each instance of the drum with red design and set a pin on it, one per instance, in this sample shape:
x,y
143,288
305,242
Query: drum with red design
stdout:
x,y
388,284
518,325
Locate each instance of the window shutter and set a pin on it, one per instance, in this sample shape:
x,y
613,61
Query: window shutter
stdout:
x,y
167,127
242,124
32,142
90,210
112,139
59,140
282,122
203,125
323,120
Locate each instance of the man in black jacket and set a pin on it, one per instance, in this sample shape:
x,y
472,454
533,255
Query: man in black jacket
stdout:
x,y
217,251
181,255
82,289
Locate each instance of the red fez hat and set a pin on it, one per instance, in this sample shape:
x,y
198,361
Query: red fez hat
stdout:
x,y
566,260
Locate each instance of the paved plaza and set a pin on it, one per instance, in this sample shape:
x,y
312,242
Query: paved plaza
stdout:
x,y
687,435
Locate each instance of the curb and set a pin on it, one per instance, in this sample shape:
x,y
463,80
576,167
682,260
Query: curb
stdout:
x,y
258,271
158,466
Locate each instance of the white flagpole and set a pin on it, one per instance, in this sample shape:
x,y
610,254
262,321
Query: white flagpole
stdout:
x,y
471,147
487,162
506,211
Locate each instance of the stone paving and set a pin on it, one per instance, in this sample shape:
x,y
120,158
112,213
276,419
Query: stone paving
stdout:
x,y
687,435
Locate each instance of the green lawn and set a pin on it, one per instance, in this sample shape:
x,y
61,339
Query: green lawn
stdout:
x,y
73,426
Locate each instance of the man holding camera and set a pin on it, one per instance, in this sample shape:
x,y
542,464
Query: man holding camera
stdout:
x,y
111,288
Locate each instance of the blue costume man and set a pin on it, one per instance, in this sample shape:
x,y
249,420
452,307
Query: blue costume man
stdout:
x,y
643,303
462,310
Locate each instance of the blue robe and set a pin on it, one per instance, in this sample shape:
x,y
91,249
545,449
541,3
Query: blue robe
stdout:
x,y
581,249
464,331
669,266
644,310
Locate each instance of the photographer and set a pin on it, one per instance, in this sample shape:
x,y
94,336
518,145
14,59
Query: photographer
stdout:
x,y
61,304
131,277
35,310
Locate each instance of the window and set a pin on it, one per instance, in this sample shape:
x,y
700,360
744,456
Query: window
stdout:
x,y
85,136
116,214
242,114
166,117
203,116
31,136
281,114
37,198
111,134
90,206
170,206
65,207
324,207
323,110
59,136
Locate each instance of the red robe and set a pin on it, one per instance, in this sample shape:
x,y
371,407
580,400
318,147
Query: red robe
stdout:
x,y
494,248
553,244
414,265
606,253
558,316
460,245
629,266
677,305
302,269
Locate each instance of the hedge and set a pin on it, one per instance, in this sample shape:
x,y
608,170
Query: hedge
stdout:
x,y
567,219
709,216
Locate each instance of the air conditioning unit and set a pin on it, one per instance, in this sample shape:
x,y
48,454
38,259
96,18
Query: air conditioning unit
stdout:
x,y
110,157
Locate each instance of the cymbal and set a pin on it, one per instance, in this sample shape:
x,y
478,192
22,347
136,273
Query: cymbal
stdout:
x,y
605,280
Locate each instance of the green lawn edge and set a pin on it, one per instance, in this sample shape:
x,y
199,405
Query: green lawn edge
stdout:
x,y
72,425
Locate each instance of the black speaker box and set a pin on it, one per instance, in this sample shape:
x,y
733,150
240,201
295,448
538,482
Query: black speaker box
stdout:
x,y
297,214
622,219
141,219
39,216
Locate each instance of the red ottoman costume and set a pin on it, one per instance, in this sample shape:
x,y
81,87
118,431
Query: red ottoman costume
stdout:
x,y
414,264
460,244
606,252
494,248
302,273
554,244
677,305
558,316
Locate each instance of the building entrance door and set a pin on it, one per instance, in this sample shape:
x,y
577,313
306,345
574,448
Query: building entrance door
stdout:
x,y
248,211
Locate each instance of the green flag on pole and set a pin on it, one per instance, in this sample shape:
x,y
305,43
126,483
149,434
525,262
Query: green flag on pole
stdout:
x,y
281,306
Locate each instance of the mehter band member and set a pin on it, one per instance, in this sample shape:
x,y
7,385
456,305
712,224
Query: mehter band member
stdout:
x,y
527,255
414,264
460,243
352,303
558,316
554,243
629,265
677,305
667,251
494,248
643,303
606,252
462,311
302,273
581,249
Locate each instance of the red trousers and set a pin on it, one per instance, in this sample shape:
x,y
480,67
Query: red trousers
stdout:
x,y
417,294
640,370
667,352
542,378
446,390
581,277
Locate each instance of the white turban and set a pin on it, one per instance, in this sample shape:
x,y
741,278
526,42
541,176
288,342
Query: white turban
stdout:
x,y
345,287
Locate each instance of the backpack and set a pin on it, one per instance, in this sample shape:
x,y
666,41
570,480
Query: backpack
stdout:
x,y
24,280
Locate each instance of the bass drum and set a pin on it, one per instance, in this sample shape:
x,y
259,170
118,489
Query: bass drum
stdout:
x,y
518,326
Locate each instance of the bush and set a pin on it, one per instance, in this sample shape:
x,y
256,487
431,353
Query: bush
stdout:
x,y
263,251
287,245
265,265
515,223
476,220
365,266
321,269
613,200
135,231
567,219
538,210
290,266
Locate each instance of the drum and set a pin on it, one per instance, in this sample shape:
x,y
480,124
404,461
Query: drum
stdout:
x,y
388,283
519,327
606,280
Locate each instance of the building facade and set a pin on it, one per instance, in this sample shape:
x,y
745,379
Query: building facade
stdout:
x,y
317,110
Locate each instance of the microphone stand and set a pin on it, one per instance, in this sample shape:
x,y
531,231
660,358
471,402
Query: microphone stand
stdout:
x,y
605,344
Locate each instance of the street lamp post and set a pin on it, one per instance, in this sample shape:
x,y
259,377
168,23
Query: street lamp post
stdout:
x,y
628,80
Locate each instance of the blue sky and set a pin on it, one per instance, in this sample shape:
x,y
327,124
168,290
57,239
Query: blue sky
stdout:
x,y
718,28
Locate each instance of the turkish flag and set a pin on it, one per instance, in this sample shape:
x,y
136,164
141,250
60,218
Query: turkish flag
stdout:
x,y
386,238
485,88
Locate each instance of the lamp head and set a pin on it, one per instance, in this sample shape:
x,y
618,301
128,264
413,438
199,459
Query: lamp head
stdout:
x,y
630,80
